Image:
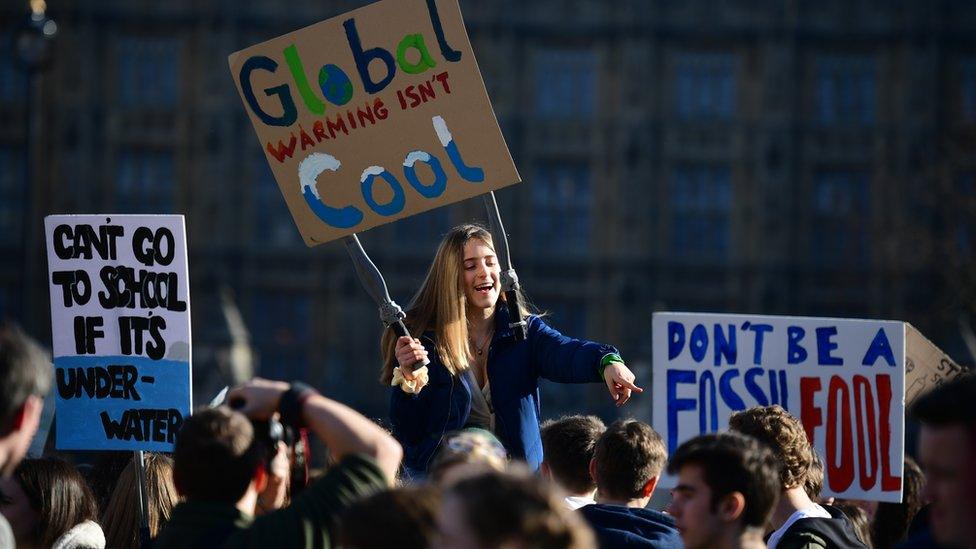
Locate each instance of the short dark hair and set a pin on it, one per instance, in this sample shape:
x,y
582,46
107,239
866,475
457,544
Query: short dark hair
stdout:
x,y
216,455
57,492
628,454
733,462
952,403
568,444
25,370
404,518
782,433
516,506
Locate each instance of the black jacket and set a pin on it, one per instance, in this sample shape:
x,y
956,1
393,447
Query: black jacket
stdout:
x,y
821,533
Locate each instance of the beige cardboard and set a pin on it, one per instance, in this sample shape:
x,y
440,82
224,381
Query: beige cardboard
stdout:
x,y
466,111
926,366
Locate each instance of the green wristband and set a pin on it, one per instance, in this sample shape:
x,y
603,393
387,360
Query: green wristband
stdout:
x,y
607,360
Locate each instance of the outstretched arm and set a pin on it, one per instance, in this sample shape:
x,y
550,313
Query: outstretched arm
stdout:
x,y
567,360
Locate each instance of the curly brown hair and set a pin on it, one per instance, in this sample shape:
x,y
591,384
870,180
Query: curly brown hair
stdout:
x,y
784,434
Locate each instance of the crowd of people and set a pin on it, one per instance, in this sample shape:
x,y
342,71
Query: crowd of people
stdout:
x,y
757,484
468,464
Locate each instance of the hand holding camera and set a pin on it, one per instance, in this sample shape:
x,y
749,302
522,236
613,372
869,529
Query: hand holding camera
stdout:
x,y
258,399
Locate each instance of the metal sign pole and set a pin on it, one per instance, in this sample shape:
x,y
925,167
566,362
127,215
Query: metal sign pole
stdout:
x,y
372,280
509,280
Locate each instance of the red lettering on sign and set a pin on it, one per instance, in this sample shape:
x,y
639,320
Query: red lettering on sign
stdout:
x,y
810,414
840,472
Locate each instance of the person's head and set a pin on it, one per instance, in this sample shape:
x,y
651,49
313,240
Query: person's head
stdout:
x,y
568,444
463,275
102,475
25,375
404,517
858,519
889,526
947,454
44,499
466,451
217,458
510,509
627,461
784,435
727,483
121,518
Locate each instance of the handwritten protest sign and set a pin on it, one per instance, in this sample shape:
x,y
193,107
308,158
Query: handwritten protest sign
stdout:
x,y
926,366
120,316
844,379
372,116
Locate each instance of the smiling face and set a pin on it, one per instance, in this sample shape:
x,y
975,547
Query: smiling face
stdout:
x,y
480,274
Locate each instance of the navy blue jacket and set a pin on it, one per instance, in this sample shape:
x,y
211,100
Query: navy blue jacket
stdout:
x,y
420,421
619,526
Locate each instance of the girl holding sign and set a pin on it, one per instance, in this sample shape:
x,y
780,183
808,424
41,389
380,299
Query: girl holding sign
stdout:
x,y
479,375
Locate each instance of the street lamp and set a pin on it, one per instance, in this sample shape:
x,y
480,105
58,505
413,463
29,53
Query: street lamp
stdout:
x,y
33,43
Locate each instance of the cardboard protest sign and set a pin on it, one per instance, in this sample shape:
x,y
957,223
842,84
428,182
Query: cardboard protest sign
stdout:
x,y
120,317
926,366
844,379
372,116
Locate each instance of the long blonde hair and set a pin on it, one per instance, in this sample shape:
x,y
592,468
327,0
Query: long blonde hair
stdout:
x,y
121,519
440,304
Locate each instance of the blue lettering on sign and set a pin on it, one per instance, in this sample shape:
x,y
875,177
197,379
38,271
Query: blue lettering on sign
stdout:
x,y
795,353
708,405
784,400
364,57
760,330
731,398
308,170
395,205
435,188
349,216
725,347
707,383
825,345
289,112
676,339
698,344
676,404
880,348
753,387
